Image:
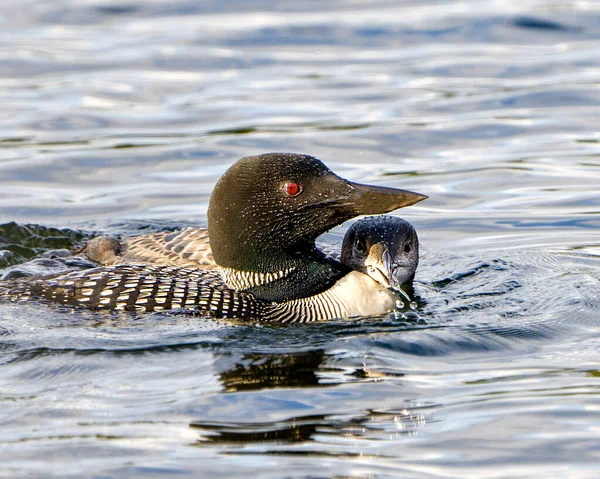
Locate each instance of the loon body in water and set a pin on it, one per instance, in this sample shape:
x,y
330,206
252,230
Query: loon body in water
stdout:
x,y
264,216
384,247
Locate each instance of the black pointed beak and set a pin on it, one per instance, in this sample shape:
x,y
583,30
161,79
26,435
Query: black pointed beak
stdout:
x,y
374,200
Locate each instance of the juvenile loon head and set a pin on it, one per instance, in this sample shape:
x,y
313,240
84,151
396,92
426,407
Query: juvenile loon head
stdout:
x,y
384,247
266,211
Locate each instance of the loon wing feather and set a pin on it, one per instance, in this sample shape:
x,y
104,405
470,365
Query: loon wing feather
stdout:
x,y
143,288
187,247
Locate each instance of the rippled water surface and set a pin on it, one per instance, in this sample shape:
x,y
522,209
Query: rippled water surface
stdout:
x,y
119,117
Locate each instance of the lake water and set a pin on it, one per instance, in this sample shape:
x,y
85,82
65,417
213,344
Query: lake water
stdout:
x,y
119,118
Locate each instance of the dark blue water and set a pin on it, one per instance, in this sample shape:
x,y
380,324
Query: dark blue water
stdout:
x,y
119,117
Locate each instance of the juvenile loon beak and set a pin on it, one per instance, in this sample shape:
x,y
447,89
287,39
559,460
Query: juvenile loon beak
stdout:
x,y
385,272
372,200
380,271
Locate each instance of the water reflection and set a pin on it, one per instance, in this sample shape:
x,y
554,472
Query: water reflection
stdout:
x,y
263,372
259,371
299,429
371,425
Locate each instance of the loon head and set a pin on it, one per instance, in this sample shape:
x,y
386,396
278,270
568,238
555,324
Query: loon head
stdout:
x,y
267,210
384,247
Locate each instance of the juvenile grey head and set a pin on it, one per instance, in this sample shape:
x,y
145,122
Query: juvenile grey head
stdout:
x,y
384,247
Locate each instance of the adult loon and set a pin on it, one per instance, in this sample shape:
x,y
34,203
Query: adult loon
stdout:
x,y
264,216
384,247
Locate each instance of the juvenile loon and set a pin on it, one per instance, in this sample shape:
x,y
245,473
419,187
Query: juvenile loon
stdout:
x,y
384,247
264,216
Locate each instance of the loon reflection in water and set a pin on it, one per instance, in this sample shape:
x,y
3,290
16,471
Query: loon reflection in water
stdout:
x,y
264,216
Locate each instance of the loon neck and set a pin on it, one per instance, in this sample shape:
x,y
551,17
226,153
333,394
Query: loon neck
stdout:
x,y
302,272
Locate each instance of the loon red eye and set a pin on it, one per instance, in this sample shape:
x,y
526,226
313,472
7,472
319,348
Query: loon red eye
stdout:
x,y
291,188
